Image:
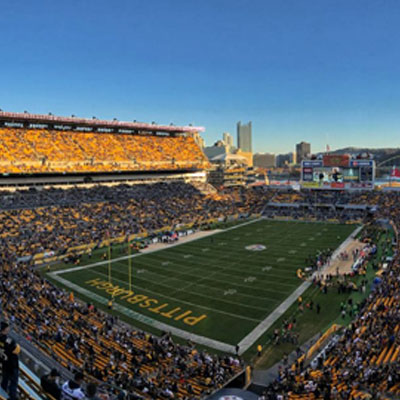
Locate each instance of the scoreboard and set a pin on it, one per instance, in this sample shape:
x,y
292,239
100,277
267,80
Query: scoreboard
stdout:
x,y
338,172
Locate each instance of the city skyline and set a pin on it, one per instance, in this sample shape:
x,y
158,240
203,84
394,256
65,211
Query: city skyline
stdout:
x,y
322,72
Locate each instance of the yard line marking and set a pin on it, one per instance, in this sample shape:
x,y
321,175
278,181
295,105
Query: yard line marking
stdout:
x,y
267,268
303,244
187,256
280,259
230,269
288,277
214,273
292,251
166,263
279,277
207,287
230,292
206,249
218,280
214,344
250,279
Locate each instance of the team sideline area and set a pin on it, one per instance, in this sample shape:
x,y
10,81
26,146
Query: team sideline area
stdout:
x,y
81,298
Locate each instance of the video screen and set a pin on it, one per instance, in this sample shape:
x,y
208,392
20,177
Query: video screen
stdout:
x,y
327,174
335,174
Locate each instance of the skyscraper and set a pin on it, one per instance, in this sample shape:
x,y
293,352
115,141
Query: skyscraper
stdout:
x,y
228,139
302,150
244,137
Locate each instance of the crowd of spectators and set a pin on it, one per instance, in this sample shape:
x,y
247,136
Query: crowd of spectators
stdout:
x,y
56,151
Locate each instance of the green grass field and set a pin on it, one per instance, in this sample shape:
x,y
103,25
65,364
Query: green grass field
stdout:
x,y
212,287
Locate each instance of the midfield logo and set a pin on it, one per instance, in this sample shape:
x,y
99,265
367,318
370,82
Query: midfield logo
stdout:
x,y
255,247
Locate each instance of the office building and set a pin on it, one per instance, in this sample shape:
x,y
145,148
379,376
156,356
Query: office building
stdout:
x,y
228,140
303,150
244,137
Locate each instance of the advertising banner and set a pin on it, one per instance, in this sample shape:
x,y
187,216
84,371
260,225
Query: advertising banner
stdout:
x,y
336,160
310,185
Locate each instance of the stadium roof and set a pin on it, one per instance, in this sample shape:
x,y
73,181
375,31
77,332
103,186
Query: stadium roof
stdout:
x,y
228,157
95,123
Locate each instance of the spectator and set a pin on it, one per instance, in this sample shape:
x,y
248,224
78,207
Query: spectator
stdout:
x,y
71,390
49,383
91,391
9,351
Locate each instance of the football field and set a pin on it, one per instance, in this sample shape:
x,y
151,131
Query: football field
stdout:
x,y
215,290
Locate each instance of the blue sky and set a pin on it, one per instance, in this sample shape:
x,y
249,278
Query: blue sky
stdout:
x,y
318,70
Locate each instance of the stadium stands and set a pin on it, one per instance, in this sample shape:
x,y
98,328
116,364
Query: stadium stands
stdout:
x,y
32,151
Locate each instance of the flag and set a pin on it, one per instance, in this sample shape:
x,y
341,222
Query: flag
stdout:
x,y
328,149
395,174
